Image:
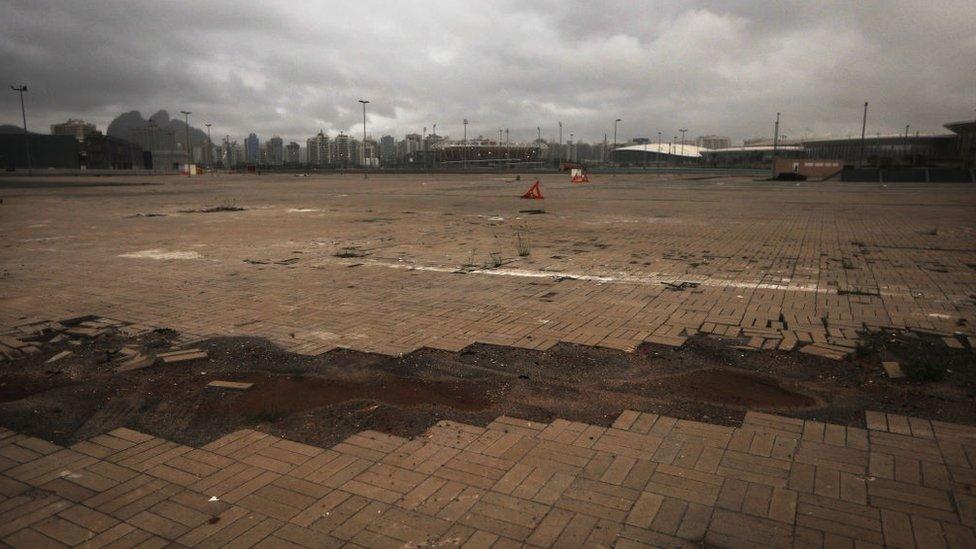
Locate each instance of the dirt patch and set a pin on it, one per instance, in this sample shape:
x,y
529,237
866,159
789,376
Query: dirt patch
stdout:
x,y
735,388
14,386
322,399
279,396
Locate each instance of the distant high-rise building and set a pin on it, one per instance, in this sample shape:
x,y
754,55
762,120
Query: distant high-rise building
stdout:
x,y
342,151
388,151
408,149
319,150
252,149
714,142
275,151
79,129
292,154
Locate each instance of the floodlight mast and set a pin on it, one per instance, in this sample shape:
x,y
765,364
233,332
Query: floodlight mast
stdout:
x,y
23,113
364,102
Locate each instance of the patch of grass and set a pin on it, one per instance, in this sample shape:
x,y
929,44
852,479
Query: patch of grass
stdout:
x,y
921,369
522,245
496,259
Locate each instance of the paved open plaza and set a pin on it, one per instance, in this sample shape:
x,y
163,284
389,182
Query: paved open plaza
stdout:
x,y
393,263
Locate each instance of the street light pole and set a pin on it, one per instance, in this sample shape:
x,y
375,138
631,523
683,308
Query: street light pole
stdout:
x,y
560,142
658,149
152,143
364,102
864,125
465,157
775,143
907,146
683,142
23,113
209,148
572,156
613,153
189,150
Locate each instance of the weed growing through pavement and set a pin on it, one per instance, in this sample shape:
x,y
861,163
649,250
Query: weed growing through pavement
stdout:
x,y
522,245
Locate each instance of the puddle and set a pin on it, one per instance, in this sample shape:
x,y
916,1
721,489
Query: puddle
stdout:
x,y
288,394
734,388
161,254
302,210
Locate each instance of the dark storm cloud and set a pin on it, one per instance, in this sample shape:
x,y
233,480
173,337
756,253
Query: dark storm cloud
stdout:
x,y
291,68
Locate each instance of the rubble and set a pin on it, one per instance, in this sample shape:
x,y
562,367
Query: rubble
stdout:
x,y
233,385
893,369
182,356
58,356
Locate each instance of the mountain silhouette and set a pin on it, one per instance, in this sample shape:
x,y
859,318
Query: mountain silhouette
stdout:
x,y
10,128
123,124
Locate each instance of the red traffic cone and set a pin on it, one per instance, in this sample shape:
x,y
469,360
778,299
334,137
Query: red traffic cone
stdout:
x,y
534,191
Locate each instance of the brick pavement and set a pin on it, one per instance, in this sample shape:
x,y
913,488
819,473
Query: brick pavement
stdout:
x,y
647,480
620,261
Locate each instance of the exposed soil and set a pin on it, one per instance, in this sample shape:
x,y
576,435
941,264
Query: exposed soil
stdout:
x,y
320,400
734,388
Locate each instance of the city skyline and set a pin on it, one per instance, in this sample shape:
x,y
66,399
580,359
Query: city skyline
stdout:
x,y
290,72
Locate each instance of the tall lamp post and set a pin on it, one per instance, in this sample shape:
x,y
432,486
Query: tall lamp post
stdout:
x,y
907,144
465,157
682,142
364,102
864,125
151,138
433,135
658,149
572,157
23,113
775,143
209,148
560,142
189,150
613,153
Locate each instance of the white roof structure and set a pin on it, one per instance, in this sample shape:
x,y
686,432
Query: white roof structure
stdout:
x,y
687,150
758,148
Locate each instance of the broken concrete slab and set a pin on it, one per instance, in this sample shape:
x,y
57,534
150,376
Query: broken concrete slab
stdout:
x,y
953,343
85,331
58,357
234,385
182,356
12,342
137,362
893,369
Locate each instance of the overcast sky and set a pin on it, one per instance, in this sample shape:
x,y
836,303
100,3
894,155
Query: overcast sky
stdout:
x,y
291,67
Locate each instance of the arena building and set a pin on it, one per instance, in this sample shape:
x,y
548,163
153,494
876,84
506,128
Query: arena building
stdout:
x,y
647,154
489,154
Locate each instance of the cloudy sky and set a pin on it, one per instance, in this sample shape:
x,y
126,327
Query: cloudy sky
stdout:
x,y
292,67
